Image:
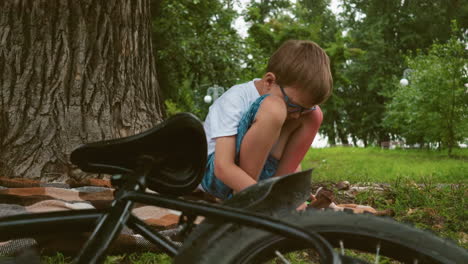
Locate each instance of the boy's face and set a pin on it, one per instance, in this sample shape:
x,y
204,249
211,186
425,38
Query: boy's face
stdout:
x,y
297,102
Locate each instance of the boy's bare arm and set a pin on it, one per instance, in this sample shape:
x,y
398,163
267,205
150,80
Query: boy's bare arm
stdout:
x,y
262,135
226,169
299,143
255,146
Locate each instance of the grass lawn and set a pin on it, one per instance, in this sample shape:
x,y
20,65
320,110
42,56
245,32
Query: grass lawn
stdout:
x,y
382,165
427,189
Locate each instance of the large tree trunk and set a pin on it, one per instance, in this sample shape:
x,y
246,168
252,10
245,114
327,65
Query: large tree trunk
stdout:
x,y
71,72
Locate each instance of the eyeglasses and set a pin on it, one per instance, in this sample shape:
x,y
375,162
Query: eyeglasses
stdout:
x,y
293,108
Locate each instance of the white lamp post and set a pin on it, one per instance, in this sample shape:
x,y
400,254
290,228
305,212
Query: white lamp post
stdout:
x,y
404,81
212,93
207,99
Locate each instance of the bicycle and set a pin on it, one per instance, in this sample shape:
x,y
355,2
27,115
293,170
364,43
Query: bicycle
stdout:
x,y
170,159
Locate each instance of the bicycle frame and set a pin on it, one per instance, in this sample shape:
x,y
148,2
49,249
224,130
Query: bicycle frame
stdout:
x,y
108,223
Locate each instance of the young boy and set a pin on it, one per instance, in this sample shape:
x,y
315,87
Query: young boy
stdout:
x,y
264,128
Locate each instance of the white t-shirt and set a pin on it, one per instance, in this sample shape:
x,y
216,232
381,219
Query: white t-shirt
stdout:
x,y
226,112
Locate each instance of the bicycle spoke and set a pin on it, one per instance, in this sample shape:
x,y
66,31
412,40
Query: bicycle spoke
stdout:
x,y
377,254
285,261
342,247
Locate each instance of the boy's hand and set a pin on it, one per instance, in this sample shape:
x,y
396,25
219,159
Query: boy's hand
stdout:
x,y
304,205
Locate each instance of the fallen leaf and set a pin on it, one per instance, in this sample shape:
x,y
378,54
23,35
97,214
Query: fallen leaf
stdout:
x,y
463,237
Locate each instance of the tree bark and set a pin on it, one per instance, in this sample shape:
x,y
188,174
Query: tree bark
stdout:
x,y
71,72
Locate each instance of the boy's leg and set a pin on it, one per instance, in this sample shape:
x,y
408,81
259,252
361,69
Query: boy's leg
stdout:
x,y
295,140
289,147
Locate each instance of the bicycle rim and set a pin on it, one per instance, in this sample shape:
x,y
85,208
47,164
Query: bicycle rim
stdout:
x,y
277,247
360,233
378,242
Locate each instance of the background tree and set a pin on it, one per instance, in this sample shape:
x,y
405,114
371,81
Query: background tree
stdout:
x,y
434,107
385,31
195,47
273,22
71,72
336,125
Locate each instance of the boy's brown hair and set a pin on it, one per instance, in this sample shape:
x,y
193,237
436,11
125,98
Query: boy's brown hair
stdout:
x,y
303,64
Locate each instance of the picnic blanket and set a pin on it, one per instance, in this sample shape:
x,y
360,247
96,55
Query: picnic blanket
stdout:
x,y
21,196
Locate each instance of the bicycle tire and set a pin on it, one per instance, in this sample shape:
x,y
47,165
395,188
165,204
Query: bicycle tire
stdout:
x,y
213,242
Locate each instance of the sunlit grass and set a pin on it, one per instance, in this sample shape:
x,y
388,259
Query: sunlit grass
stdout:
x,y
426,205
383,165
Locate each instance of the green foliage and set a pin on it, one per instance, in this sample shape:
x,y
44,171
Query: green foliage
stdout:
x,y
196,47
434,107
336,110
172,108
273,22
187,102
59,258
364,62
385,31
148,258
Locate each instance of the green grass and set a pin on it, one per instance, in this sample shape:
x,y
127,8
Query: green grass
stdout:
x,y
427,188
381,165
415,193
440,209
136,258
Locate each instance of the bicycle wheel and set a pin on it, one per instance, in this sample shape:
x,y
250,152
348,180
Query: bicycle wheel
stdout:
x,y
231,243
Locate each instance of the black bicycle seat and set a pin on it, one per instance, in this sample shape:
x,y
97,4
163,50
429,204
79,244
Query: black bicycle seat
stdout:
x,y
177,147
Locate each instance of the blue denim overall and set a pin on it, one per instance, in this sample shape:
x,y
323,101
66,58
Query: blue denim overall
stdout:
x,y
211,184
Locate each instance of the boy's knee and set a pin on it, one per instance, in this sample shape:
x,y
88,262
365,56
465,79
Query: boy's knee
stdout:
x,y
315,117
318,115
